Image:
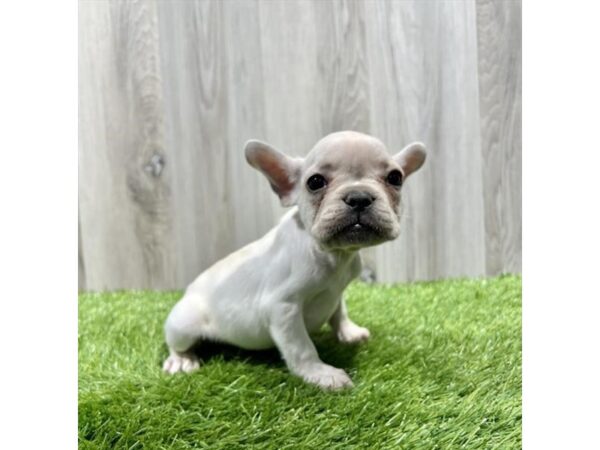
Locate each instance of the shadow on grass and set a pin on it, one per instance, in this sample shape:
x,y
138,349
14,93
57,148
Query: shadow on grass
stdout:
x,y
330,351
432,358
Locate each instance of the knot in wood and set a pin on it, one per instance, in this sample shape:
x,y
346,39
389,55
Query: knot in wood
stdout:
x,y
155,166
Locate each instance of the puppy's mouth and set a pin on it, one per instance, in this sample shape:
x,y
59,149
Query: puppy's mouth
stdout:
x,y
356,231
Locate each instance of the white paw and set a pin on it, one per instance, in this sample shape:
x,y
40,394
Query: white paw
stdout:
x,y
327,377
178,362
350,333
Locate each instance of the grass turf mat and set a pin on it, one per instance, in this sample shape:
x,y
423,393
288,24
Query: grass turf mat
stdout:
x,y
442,370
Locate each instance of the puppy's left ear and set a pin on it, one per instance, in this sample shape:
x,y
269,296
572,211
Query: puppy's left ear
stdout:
x,y
411,157
282,171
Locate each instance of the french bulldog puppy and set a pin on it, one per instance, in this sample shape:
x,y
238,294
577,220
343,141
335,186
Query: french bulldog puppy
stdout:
x,y
286,285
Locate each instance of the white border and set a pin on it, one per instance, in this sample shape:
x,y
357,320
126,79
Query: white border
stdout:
x,y
561,228
38,242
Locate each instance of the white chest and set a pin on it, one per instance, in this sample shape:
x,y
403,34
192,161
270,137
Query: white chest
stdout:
x,y
319,307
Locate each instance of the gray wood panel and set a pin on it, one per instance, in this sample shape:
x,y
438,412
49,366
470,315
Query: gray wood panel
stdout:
x,y
290,78
196,95
126,234
81,265
499,49
254,206
170,91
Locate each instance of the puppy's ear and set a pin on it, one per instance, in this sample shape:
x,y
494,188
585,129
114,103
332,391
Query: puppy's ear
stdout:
x,y
282,171
411,157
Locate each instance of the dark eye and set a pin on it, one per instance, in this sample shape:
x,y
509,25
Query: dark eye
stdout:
x,y
316,182
395,178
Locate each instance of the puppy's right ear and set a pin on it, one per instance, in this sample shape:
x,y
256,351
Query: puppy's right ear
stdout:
x,y
282,171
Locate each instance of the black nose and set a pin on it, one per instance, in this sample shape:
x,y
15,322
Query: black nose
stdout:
x,y
358,201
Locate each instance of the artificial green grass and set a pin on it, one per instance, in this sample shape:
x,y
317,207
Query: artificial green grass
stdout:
x,y
442,370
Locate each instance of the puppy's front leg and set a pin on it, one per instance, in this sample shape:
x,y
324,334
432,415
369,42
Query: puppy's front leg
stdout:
x,y
289,334
345,330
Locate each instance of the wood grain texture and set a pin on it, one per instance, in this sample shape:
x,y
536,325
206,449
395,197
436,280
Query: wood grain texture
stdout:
x,y
193,54
124,192
499,49
290,78
170,91
246,119
343,87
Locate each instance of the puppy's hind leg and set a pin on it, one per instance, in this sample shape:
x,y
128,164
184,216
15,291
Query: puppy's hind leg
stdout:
x,y
186,325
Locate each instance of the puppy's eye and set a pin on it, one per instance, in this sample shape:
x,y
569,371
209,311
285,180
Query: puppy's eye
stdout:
x,y
316,182
395,178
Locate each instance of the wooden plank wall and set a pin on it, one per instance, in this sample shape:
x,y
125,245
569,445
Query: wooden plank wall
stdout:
x,y
499,50
169,92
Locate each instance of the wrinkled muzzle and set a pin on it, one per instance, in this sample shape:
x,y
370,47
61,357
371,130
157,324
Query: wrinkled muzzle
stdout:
x,y
355,219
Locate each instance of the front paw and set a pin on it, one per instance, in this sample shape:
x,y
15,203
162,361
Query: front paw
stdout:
x,y
350,333
184,362
326,377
